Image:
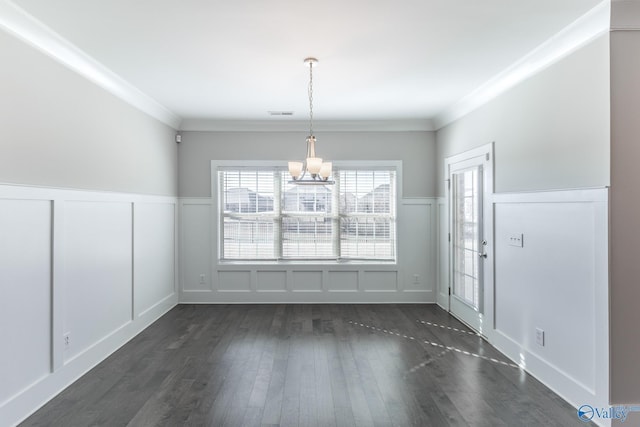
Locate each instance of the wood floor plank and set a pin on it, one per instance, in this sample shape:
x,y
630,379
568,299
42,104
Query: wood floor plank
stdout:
x,y
272,409
359,406
324,403
305,365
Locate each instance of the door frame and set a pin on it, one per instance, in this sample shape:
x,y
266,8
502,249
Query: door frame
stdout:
x,y
487,316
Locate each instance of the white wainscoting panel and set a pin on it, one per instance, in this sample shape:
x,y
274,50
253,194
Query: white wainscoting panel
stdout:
x,y
234,281
547,284
98,272
417,249
272,281
195,249
556,281
67,268
25,294
154,254
411,279
307,281
380,281
343,281
442,270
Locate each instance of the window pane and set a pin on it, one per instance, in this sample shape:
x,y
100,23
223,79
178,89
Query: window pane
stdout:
x,y
307,237
247,204
367,209
247,191
248,239
306,198
465,235
367,191
367,238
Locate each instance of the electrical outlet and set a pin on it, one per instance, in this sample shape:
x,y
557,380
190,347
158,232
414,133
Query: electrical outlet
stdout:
x,y
416,279
67,340
540,337
202,279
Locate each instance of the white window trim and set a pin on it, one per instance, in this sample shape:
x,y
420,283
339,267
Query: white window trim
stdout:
x,y
270,164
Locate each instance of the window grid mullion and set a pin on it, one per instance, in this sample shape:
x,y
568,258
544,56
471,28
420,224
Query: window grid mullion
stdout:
x,y
336,234
222,189
277,210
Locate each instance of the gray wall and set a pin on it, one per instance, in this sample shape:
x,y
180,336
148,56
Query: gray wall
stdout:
x,y
415,149
550,132
61,130
625,207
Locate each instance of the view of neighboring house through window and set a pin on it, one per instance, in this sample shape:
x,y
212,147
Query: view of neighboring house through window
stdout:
x,y
264,216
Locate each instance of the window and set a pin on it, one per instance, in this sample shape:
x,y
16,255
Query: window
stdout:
x,y
265,217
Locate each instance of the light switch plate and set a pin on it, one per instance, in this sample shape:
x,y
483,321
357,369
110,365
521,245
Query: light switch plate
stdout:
x,y
516,240
540,337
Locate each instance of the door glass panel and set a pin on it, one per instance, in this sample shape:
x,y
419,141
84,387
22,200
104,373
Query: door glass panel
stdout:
x,y
466,235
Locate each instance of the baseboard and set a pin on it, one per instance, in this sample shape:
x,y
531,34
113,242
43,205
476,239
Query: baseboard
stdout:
x,y
289,297
561,383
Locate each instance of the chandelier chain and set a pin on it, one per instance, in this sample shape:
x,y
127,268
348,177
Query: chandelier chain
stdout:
x,y
311,99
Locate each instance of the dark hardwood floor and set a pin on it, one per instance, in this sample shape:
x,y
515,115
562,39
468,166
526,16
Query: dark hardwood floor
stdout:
x,y
306,365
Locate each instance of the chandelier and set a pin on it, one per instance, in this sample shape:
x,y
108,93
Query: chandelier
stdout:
x,y
313,170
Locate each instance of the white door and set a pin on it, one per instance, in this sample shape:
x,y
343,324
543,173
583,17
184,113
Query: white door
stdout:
x,y
470,185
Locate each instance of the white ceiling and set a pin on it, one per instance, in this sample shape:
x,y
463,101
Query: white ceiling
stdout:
x,y
236,60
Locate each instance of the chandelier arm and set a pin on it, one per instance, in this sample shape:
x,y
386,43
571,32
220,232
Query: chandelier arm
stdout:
x,y
304,170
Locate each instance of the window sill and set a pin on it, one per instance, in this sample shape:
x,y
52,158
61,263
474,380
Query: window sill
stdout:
x,y
295,263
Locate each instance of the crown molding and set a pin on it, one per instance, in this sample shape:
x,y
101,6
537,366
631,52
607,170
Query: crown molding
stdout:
x,y
594,23
25,27
582,31
284,125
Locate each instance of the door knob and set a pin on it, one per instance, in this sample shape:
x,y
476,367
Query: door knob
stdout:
x,y
482,255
